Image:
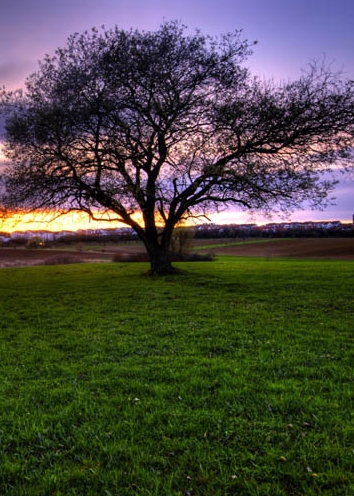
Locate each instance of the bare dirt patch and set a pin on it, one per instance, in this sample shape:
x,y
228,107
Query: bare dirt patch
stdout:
x,y
22,257
315,248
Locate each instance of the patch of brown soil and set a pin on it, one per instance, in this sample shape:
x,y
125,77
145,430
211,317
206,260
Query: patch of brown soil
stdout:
x,y
320,248
22,257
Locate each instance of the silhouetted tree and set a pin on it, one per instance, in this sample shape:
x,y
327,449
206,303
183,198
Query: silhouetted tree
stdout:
x,y
170,126
181,240
35,242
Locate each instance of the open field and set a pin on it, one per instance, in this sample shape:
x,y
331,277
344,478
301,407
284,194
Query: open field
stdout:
x,y
234,378
320,248
22,257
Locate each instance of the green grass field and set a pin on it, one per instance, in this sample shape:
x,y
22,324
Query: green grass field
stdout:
x,y
234,378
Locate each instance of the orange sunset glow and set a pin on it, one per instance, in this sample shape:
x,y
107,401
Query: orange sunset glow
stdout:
x,y
76,221
48,221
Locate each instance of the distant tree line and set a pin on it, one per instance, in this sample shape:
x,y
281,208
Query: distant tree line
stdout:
x,y
74,238
185,235
261,232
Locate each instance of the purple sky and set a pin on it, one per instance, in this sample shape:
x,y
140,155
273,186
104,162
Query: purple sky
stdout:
x,y
290,34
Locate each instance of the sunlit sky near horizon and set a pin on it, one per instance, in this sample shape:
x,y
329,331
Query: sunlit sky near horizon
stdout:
x,y
290,34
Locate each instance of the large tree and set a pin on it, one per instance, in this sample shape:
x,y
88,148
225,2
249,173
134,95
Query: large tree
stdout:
x,y
170,125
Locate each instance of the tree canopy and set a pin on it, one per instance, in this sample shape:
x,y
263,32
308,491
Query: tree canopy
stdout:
x,y
170,125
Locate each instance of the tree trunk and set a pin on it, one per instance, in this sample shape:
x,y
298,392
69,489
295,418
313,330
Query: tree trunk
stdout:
x,y
160,263
160,257
158,247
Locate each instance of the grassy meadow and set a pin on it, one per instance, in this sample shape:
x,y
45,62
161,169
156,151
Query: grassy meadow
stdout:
x,y
233,378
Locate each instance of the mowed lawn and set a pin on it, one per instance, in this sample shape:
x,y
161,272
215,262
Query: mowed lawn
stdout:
x,y
233,378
